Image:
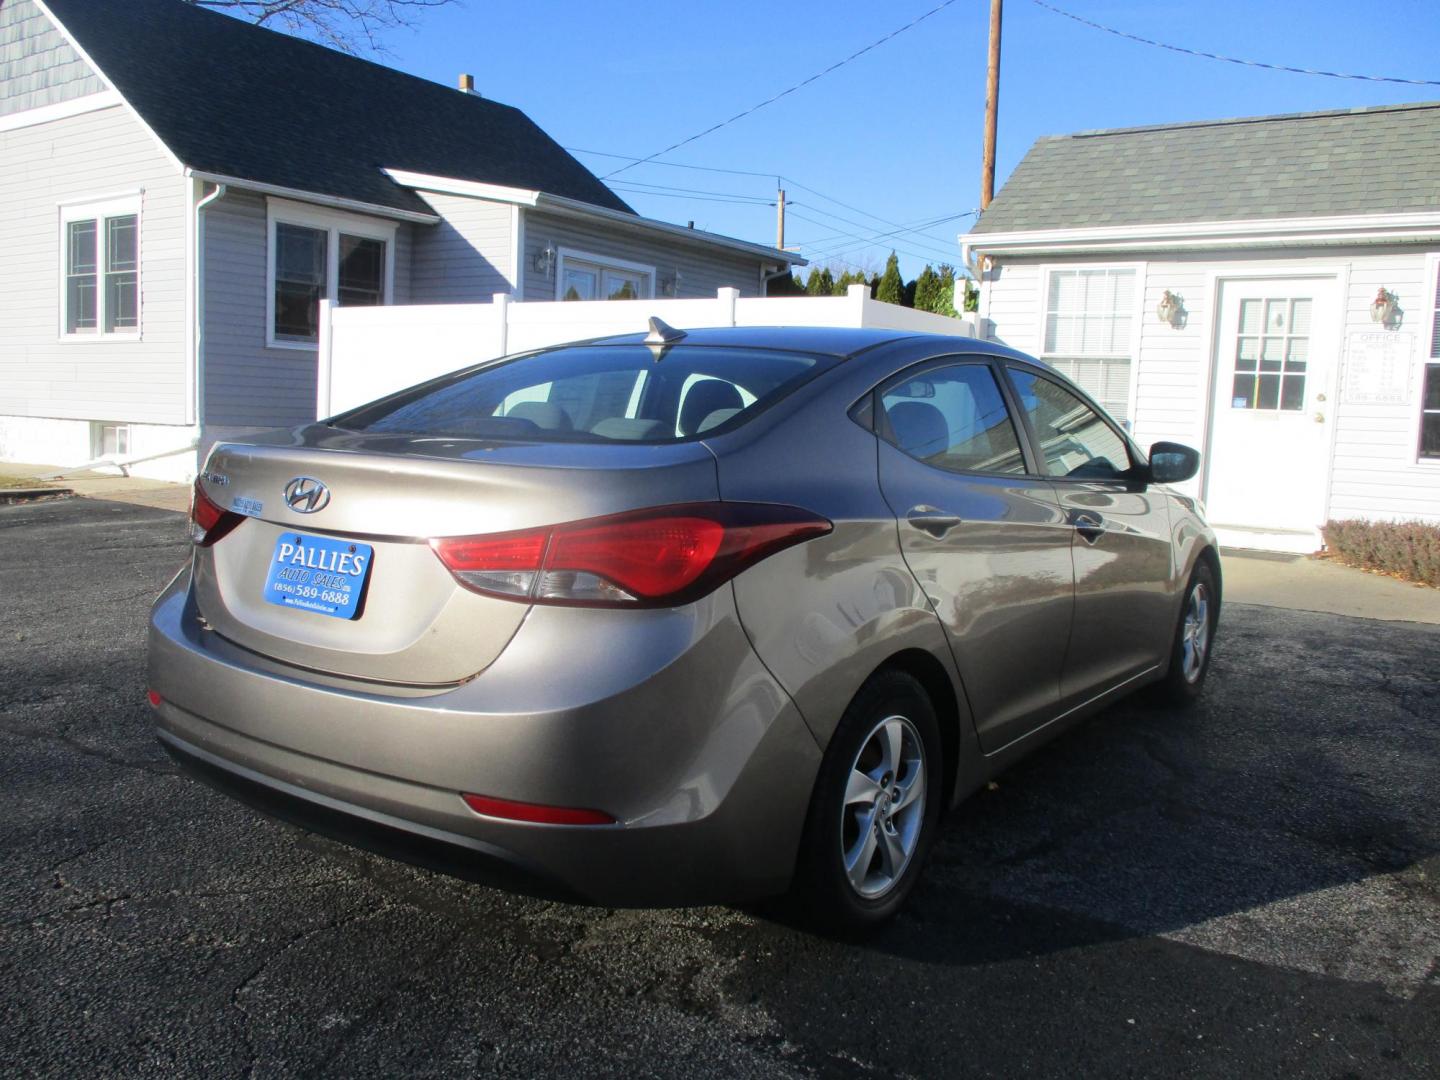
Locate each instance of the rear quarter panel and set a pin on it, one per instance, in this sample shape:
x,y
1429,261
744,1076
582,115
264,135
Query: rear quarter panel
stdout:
x,y
824,615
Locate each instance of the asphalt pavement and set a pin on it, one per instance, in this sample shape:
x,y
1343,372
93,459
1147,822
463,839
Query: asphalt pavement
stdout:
x,y
1248,888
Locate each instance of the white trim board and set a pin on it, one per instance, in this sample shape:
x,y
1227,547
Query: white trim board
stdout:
x,y
1270,232
106,99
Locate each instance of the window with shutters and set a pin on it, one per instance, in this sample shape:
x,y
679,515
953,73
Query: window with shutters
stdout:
x,y
1090,331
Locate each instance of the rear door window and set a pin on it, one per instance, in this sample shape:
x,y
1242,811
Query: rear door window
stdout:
x,y
954,418
595,393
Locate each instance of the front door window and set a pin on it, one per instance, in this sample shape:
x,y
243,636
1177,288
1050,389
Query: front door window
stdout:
x,y
1272,349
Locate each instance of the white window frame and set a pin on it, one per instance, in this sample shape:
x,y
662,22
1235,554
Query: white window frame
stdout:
x,y
603,262
97,209
333,222
1428,359
1137,325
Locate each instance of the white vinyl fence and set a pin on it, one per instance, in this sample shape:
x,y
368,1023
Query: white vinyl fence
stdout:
x,y
367,352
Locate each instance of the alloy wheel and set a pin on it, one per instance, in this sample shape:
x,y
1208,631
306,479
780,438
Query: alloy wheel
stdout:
x,y
884,807
1195,634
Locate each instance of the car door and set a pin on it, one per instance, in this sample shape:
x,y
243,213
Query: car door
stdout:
x,y
983,534
1123,557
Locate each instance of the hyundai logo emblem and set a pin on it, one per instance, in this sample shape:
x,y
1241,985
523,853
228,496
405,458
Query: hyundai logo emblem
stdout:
x,y
305,495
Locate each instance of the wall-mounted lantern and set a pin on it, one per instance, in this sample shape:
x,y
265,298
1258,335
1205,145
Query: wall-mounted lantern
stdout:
x,y
544,261
670,286
1171,310
1385,309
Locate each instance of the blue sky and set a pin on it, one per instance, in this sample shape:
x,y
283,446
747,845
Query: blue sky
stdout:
x,y
896,134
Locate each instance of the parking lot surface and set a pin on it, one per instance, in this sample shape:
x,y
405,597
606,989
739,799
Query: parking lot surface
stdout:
x,y
1249,888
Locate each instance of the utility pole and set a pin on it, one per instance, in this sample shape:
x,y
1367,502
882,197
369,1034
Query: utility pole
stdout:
x,y
992,105
780,220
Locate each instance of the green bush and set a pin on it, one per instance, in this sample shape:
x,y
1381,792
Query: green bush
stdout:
x,y
1407,549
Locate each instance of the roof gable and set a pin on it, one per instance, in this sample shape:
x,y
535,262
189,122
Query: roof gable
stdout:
x,y
238,100
1328,164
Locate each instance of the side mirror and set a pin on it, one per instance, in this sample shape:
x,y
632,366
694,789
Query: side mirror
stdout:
x,y
1171,462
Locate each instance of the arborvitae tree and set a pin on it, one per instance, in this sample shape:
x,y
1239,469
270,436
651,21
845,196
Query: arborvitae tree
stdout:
x,y
892,286
926,287
945,291
820,282
908,299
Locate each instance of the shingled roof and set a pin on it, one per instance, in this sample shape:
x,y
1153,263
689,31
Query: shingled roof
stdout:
x,y
1361,161
238,100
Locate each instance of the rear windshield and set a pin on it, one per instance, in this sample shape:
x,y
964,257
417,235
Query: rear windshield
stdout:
x,y
595,393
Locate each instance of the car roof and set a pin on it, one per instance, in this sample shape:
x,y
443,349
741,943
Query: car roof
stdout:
x,y
831,340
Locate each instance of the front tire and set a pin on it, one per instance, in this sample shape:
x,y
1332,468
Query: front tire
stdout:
x,y
875,808
1194,638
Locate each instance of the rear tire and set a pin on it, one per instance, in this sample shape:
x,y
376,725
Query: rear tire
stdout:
x,y
875,808
1194,639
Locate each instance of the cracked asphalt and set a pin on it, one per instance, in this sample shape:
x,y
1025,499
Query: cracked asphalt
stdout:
x,y
1249,888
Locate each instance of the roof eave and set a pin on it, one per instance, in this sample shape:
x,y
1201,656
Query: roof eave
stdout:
x,y
1203,235
336,201
560,204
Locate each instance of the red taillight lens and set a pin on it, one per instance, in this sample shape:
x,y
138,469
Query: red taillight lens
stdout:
x,y
647,558
209,521
153,698
535,812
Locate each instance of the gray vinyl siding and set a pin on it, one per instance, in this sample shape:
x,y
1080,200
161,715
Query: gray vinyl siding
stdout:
x,y
96,155
246,383
466,258
37,65
703,267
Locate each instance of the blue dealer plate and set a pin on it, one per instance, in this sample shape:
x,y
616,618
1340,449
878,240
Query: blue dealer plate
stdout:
x,y
318,573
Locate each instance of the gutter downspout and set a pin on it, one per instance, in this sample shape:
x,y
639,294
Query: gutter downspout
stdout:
x,y
214,197
767,276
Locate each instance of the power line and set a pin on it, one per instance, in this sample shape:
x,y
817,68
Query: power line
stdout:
x,y
701,191
692,198
673,164
859,240
784,93
1232,59
861,225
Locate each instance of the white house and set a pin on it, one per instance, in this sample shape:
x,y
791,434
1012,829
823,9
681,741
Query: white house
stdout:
x,y
179,190
1264,289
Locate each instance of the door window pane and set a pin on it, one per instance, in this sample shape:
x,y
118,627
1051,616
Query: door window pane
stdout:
x,y
81,297
579,284
1073,440
953,418
1273,339
623,286
362,271
300,265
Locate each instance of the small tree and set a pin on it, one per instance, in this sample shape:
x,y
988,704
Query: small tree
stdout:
x,y
927,287
349,25
892,286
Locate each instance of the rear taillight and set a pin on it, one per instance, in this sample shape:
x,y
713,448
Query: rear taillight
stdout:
x,y
646,558
209,521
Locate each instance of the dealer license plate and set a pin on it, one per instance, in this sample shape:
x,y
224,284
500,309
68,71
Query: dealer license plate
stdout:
x,y
318,573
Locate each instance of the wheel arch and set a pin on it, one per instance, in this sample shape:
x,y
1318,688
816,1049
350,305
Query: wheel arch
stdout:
x,y
930,673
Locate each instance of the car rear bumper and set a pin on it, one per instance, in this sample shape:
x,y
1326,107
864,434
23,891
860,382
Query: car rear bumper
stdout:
x,y
705,762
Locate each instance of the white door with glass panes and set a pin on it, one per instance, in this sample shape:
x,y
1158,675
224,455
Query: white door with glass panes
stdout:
x,y
1269,440
592,281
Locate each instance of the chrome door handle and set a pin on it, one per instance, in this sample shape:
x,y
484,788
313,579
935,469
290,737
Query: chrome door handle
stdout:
x,y
1088,524
930,520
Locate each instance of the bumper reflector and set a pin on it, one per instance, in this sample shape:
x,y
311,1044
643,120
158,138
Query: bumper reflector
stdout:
x,y
534,812
154,699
